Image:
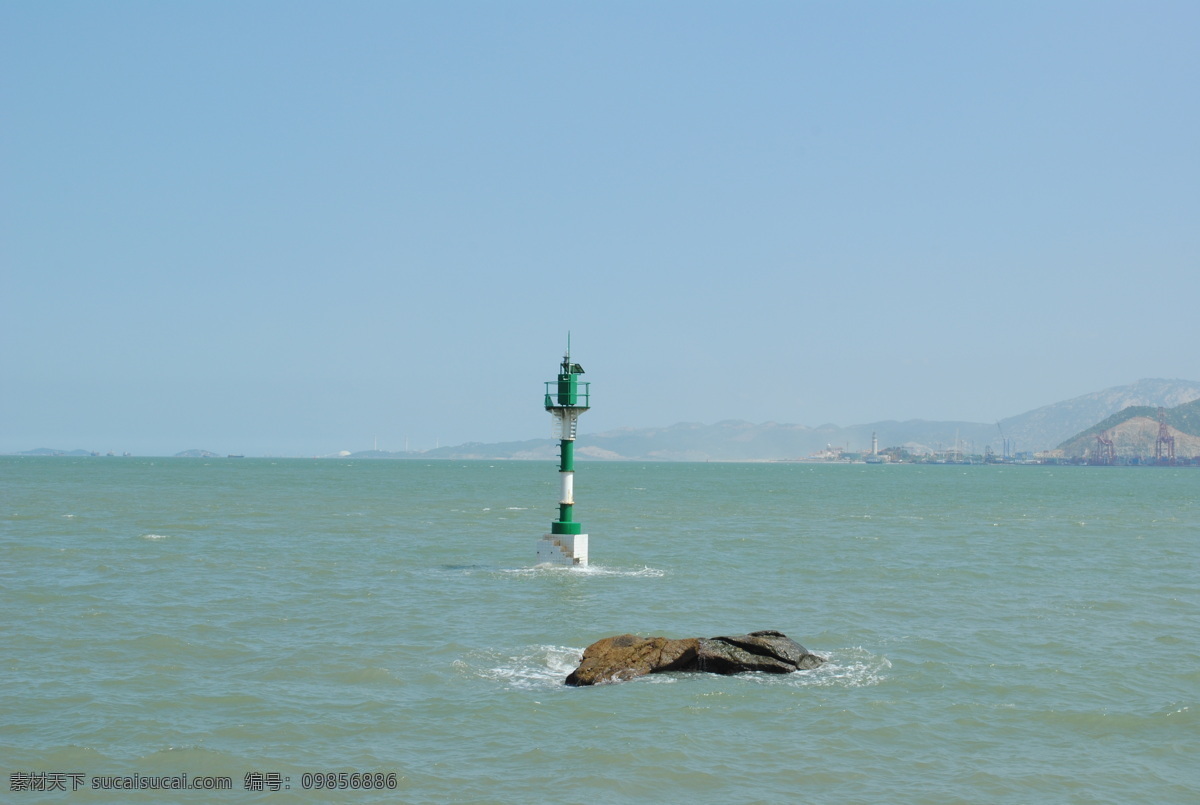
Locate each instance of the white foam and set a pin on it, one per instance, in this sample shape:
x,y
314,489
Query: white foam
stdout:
x,y
534,667
844,668
155,536
599,570
590,570
547,666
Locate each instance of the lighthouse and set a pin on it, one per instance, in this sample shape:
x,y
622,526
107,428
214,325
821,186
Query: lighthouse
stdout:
x,y
566,399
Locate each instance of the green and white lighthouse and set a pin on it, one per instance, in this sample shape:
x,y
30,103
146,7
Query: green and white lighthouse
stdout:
x,y
566,399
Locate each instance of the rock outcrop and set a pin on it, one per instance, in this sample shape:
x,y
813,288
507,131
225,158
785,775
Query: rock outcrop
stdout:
x,y
616,659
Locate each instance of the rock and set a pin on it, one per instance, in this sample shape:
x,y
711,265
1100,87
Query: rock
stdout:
x,y
767,651
615,659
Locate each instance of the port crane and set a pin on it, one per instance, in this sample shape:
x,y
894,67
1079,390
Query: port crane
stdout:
x,y
1005,447
1164,448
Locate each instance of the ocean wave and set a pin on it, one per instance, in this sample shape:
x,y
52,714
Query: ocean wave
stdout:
x,y
845,668
155,536
543,666
600,570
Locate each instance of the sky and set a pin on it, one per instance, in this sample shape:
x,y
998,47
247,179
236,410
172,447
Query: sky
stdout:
x,y
295,228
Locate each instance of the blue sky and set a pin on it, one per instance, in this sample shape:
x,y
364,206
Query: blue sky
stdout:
x,y
300,227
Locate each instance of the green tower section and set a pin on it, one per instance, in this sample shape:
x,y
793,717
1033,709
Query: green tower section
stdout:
x,y
567,398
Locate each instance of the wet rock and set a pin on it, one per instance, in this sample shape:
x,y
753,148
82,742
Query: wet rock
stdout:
x,y
615,659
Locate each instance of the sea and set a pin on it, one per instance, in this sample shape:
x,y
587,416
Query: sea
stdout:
x,y
338,630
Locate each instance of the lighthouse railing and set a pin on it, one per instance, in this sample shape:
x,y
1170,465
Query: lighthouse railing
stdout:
x,y
581,397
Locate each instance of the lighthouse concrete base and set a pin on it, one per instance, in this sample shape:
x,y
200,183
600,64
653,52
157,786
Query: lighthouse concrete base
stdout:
x,y
563,549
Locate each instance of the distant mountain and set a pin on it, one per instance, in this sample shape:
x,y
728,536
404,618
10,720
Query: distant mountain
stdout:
x,y
1040,430
47,451
733,440
1134,432
1047,427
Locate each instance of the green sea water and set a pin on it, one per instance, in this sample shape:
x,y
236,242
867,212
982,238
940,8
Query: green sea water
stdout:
x,y
995,634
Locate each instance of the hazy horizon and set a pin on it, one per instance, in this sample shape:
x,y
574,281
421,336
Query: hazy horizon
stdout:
x,y
297,229
230,449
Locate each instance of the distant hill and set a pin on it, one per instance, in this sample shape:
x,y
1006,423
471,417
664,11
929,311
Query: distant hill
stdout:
x,y
1134,432
47,451
734,440
1049,426
1035,431
1040,430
